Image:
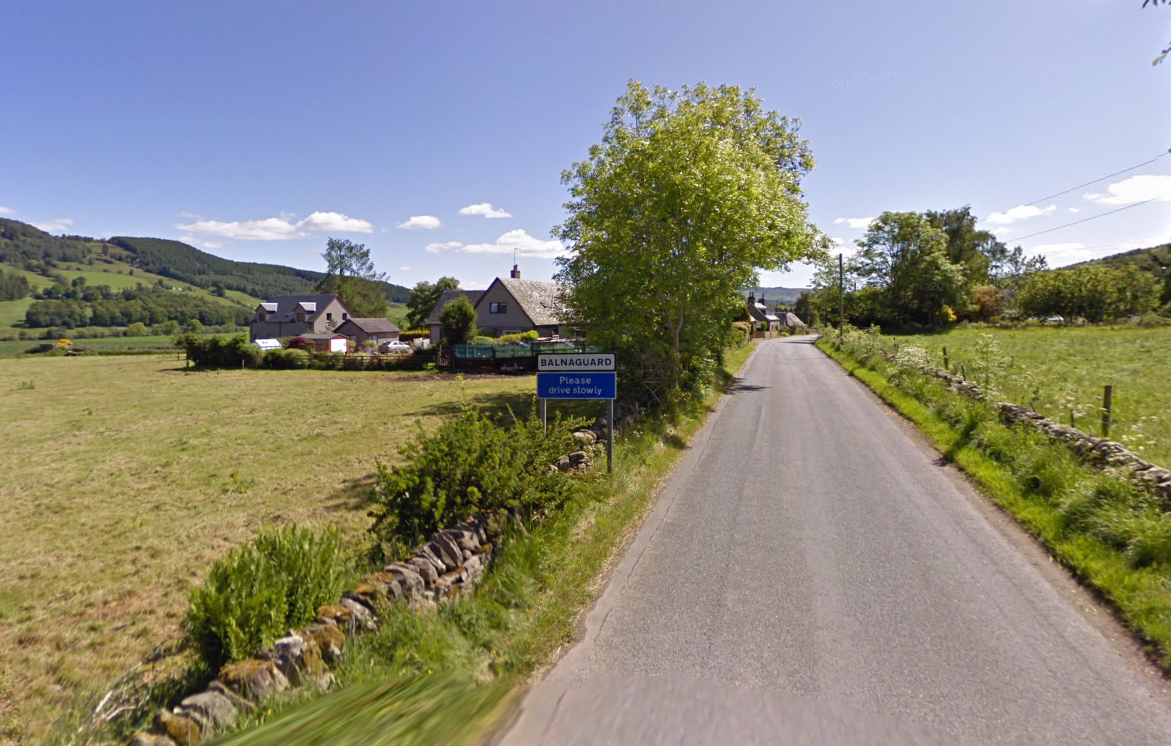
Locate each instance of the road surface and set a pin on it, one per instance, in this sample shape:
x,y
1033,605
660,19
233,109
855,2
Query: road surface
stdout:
x,y
813,574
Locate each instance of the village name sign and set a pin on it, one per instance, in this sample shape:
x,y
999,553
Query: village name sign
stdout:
x,y
586,375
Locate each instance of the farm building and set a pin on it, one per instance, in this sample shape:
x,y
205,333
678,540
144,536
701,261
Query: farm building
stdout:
x,y
375,330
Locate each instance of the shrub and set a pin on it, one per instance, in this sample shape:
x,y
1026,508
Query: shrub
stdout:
x,y
506,339
285,359
217,352
261,590
469,465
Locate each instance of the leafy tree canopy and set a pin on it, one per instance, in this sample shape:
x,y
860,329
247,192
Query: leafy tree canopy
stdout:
x,y
350,273
688,194
458,319
424,297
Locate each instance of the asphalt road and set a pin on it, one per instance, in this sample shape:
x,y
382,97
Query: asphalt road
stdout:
x,y
812,574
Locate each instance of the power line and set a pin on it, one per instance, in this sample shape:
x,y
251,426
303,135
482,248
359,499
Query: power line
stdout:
x,y
1095,181
1092,217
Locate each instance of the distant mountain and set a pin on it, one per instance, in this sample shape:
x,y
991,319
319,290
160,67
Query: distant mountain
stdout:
x,y
26,247
777,295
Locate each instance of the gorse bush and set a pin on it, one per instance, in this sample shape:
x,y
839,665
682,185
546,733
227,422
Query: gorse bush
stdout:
x,y
469,465
261,590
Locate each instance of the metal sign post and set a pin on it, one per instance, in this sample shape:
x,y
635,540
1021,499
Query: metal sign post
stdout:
x,y
585,375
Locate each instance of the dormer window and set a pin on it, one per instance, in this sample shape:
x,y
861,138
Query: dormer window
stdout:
x,y
300,316
262,315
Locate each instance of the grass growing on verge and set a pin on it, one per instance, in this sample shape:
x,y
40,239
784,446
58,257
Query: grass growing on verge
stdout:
x,y
1109,534
454,672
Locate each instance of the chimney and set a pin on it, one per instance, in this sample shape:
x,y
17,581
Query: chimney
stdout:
x,y
752,297
515,273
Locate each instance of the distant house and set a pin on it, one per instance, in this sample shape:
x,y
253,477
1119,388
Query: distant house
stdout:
x,y
763,320
293,315
795,325
509,306
376,330
324,342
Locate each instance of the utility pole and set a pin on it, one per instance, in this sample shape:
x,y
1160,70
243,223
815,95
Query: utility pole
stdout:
x,y
841,299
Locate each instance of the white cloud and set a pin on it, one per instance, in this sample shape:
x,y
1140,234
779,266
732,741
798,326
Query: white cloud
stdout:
x,y
485,209
405,269
1135,189
421,222
189,216
518,240
1062,253
1019,213
1072,209
855,223
202,243
335,221
269,229
280,228
7,211
56,225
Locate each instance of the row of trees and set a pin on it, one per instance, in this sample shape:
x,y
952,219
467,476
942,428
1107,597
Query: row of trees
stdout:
x,y
924,269
146,305
1093,293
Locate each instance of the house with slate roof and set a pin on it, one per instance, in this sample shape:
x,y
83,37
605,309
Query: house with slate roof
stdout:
x,y
510,305
763,319
293,315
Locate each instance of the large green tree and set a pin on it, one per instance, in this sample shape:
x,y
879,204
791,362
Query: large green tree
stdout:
x,y
688,194
351,274
424,297
905,256
458,321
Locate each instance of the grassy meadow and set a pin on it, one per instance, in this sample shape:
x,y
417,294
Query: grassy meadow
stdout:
x,y
1062,371
122,478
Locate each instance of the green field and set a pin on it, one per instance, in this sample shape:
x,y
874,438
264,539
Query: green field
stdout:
x,y
104,345
1062,372
122,478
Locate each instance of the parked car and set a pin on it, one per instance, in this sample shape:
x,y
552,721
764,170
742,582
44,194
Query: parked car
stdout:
x,y
394,347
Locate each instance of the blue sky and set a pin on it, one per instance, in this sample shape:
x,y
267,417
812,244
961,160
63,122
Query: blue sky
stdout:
x,y
436,132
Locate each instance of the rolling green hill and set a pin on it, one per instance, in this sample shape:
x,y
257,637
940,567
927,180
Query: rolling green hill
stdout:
x,y
162,267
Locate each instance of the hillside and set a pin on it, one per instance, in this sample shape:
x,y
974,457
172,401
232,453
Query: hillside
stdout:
x,y
778,295
138,272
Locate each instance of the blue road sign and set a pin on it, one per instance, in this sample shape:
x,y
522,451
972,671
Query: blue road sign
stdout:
x,y
572,385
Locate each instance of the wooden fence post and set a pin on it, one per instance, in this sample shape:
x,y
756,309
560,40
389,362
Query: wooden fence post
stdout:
x,y
946,363
1107,406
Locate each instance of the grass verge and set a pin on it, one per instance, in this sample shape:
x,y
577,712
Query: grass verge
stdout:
x,y
1113,537
454,673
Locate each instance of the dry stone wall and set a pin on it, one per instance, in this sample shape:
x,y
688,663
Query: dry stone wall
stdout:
x,y
452,563
1103,453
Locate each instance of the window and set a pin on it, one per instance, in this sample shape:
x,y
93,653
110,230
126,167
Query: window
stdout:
x,y
262,315
497,308
345,316
329,317
301,316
